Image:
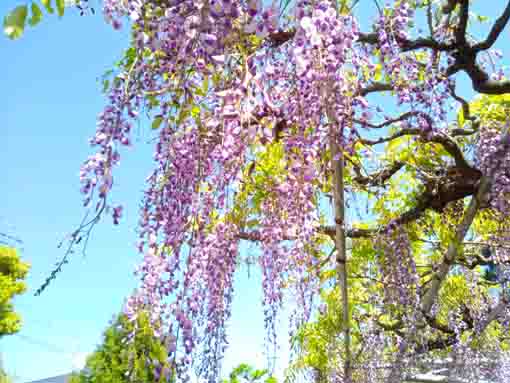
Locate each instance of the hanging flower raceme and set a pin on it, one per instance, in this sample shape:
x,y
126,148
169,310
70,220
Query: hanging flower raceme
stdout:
x,y
400,278
113,131
407,70
493,161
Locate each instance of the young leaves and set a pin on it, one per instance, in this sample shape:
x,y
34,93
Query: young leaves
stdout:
x,y
36,15
16,21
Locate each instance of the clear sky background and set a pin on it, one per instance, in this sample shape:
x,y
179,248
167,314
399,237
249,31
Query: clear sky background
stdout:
x,y
50,99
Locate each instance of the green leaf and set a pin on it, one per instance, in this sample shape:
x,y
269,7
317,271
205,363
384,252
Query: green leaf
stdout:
x,y
14,22
47,5
481,18
106,85
36,15
257,374
378,72
157,122
195,111
60,7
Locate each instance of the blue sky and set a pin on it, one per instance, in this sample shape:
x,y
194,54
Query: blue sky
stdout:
x,y
51,97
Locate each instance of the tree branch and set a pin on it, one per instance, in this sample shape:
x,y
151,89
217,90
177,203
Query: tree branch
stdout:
x,y
441,138
83,232
494,313
379,178
375,87
460,31
390,121
479,78
419,43
462,229
496,30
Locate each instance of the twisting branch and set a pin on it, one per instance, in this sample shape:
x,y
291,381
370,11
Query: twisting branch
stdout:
x,y
400,133
456,184
462,228
368,38
437,344
375,87
480,80
496,30
379,178
451,254
280,37
82,233
440,138
402,117
419,43
463,102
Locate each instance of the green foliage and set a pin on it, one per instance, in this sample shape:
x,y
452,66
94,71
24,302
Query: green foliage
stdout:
x,y
317,343
60,7
118,360
36,15
12,273
488,108
4,378
47,5
245,373
16,20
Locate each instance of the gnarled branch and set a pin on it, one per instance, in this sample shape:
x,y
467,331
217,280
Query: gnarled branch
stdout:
x,y
496,30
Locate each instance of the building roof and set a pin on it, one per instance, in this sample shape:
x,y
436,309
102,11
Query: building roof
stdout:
x,y
56,379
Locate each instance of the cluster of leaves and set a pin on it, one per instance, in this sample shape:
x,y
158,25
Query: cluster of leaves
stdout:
x,y
4,378
244,373
12,274
120,359
16,20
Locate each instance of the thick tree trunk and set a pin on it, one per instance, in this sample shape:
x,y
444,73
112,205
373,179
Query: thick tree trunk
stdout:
x,y
337,162
341,256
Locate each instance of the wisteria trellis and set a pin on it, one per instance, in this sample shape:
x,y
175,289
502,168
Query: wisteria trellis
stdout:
x,y
228,82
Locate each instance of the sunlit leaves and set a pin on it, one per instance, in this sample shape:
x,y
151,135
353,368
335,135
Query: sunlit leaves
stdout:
x,y
16,20
119,360
245,373
47,5
60,7
262,175
488,108
36,15
156,123
12,274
